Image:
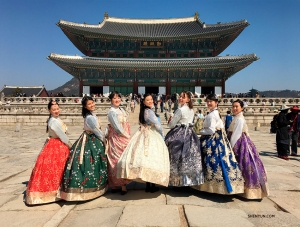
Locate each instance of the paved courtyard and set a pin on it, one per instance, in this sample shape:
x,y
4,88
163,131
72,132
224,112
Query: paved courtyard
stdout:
x,y
167,207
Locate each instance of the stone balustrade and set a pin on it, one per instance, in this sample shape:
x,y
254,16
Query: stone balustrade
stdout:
x,y
33,110
223,101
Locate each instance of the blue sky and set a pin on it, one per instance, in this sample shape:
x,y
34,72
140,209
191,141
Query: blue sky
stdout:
x,y
29,34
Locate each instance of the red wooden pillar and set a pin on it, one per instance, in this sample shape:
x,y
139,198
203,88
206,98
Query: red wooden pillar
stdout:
x,y
223,86
105,82
135,87
168,83
135,53
80,87
198,79
135,84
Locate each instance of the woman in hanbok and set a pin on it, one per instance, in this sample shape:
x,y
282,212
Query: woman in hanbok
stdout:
x,y
118,137
46,176
146,158
222,174
85,176
252,168
184,146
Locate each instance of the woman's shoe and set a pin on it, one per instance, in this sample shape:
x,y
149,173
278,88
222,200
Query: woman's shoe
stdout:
x,y
115,190
148,187
123,192
154,188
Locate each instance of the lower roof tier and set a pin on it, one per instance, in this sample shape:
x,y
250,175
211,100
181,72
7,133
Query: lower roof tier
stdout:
x,y
104,68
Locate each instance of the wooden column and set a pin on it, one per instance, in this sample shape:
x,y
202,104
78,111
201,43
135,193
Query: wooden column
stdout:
x,y
135,52
105,82
80,88
135,83
198,79
168,83
223,86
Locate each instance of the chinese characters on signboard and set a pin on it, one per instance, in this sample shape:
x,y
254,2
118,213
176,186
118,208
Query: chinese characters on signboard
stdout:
x,y
149,44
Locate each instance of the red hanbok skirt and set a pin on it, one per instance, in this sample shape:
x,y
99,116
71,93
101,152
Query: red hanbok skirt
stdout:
x,y
47,173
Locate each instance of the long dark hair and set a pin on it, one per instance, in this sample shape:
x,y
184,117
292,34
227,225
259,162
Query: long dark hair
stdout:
x,y
84,101
189,95
112,95
50,104
142,109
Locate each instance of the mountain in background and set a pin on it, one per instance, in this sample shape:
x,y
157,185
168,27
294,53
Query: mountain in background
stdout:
x,y
71,88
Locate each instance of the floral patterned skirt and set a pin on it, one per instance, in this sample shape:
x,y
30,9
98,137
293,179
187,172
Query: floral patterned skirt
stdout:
x,y
47,173
185,157
254,173
85,176
116,145
222,174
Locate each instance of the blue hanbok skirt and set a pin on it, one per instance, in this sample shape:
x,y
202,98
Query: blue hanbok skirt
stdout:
x,y
222,174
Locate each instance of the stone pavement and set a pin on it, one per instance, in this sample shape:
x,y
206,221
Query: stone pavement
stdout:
x,y
166,207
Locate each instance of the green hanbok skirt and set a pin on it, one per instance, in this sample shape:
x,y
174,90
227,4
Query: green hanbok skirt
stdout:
x,y
85,175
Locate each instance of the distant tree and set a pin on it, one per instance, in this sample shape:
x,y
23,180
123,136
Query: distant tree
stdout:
x,y
16,91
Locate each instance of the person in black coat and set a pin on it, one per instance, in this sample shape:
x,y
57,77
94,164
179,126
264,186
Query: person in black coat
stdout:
x,y
282,134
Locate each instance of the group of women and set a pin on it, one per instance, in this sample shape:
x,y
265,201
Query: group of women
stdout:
x,y
215,163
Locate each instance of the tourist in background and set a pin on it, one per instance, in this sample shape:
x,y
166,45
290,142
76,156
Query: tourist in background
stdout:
x,y
293,130
183,145
132,105
146,158
85,176
170,104
227,120
222,174
252,168
118,137
43,185
282,134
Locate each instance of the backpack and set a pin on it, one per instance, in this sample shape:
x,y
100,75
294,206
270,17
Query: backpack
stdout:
x,y
274,124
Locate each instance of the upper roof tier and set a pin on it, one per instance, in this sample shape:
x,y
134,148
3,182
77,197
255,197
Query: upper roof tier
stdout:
x,y
156,29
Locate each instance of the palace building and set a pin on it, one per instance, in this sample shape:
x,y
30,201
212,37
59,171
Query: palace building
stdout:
x,y
152,55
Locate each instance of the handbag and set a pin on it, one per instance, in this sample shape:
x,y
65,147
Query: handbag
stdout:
x,y
198,126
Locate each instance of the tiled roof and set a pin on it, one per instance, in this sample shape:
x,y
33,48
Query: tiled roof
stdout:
x,y
141,63
29,90
151,28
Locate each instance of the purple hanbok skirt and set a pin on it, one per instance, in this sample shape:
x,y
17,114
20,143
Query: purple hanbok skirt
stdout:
x,y
253,171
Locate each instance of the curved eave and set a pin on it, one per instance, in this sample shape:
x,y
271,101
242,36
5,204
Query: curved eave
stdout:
x,y
201,30
133,63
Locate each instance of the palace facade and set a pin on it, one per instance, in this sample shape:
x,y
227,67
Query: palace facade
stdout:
x,y
152,55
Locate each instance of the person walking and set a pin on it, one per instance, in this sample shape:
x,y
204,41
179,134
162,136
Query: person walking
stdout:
x,y
170,104
282,134
85,176
132,105
184,146
118,138
146,157
293,130
228,119
222,174
43,185
246,154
